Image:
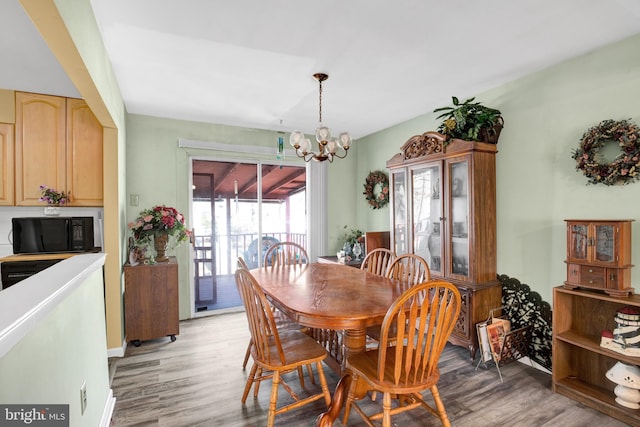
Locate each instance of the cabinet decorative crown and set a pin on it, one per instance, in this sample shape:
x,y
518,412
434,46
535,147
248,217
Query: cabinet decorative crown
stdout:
x,y
422,145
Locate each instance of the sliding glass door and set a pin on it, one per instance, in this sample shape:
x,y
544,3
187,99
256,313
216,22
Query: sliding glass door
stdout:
x,y
239,210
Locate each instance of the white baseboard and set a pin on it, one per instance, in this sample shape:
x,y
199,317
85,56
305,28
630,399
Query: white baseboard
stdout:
x,y
118,351
530,362
107,413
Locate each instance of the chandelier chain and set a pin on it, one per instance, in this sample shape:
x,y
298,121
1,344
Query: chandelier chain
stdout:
x,y
320,103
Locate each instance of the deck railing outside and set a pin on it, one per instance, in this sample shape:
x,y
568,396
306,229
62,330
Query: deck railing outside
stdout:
x,y
228,247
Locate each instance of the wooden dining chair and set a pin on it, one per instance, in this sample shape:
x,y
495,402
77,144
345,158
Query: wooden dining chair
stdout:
x,y
274,352
409,268
377,261
429,310
282,322
285,253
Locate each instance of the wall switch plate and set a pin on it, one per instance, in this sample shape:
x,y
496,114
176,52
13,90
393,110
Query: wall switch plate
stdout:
x,y
134,199
83,397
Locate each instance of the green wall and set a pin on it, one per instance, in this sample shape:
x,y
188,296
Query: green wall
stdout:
x,y
66,348
545,115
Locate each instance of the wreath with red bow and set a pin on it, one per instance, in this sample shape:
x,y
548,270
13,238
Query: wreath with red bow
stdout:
x,y
375,179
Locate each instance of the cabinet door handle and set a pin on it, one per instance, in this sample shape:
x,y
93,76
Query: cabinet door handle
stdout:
x,y
591,282
590,271
612,277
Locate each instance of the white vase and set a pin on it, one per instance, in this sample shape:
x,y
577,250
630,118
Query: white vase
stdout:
x,y
52,210
628,379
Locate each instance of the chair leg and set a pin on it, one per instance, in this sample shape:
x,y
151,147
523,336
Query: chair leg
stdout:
x,y
246,355
386,410
301,376
310,371
256,388
350,398
323,383
247,387
440,407
274,399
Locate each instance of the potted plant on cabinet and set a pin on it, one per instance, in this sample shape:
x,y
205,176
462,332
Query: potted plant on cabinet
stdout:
x,y
470,121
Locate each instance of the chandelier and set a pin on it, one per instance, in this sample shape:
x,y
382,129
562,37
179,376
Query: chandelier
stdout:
x,y
327,147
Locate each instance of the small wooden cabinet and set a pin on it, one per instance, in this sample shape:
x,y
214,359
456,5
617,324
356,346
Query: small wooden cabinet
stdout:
x,y
443,208
59,143
599,255
579,363
151,301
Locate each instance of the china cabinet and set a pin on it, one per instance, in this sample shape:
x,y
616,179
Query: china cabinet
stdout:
x,y
151,301
443,208
599,255
58,143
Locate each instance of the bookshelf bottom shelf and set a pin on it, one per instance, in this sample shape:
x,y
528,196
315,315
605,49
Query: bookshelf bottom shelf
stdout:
x,y
596,398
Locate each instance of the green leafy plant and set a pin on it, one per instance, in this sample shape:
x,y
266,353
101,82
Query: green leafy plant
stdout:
x,y
470,121
352,236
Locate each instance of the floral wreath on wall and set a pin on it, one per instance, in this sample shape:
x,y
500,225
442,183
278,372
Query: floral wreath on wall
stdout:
x,y
373,180
625,168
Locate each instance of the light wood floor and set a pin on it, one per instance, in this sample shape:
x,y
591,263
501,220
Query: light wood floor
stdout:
x,y
198,381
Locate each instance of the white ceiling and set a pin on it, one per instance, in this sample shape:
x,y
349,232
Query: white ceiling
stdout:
x,y
250,62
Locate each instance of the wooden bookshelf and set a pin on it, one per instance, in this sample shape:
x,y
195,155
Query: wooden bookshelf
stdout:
x,y
579,363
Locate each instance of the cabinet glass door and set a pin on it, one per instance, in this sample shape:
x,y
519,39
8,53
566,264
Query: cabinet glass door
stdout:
x,y
605,243
399,188
458,221
578,242
427,213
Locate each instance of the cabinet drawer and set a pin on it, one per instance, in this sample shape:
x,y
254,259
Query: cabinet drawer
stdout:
x,y
593,276
573,273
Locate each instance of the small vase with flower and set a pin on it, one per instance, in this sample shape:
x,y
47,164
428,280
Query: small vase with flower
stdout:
x,y
53,198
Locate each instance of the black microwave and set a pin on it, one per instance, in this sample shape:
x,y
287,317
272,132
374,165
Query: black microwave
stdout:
x,y
52,234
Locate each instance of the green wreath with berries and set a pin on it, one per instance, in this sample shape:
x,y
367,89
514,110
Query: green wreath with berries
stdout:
x,y
625,168
374,180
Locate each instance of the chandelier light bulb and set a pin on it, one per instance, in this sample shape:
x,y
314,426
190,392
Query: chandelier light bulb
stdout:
x,y
323,134
296,138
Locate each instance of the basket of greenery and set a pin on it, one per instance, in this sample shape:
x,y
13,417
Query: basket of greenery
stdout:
x,y
470,121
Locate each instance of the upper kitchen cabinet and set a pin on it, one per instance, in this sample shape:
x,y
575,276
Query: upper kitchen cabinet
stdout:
x,y
6,164
444,209
84,155
58,144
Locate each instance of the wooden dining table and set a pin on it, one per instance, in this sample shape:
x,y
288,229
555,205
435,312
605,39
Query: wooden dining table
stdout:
x,y
338,303
331,297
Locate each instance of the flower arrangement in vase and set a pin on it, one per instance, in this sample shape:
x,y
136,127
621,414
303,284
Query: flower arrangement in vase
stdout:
x,y
159,222
350,238
53,198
